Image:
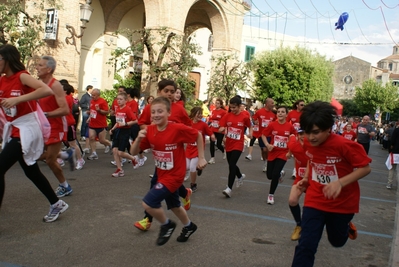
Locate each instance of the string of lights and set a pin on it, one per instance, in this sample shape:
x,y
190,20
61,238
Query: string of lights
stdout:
x,y
388,6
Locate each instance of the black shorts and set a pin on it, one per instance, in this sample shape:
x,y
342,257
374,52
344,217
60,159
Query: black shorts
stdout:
x,y
71,136
121,138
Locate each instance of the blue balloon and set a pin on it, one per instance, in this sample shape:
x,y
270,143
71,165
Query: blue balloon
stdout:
x,y
341,21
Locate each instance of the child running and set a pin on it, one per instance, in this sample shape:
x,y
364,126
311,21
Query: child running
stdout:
x,y
167,142
192,149
233,124
331,183
124,118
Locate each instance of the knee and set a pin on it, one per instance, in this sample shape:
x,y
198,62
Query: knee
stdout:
x,y
337,242
145,206
292,201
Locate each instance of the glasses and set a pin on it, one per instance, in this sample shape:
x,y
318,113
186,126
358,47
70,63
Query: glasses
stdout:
x,y
301,105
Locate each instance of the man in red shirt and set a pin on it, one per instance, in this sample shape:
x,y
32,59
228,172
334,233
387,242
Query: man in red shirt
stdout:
x,y
55,107
98,123
262,118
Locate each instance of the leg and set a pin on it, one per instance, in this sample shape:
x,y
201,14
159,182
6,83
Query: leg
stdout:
x,y
275,174
92,140
234,171
337,226
101,138
51,160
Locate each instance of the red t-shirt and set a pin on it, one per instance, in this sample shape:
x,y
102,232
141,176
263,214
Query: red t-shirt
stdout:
x,y
279,139
124,115
178,114
351,135
114,105
235,130
134,106
98,120
300,158
191,148
214,119
12,87
49,103
69,118
293,117
168,151
333,159
264,118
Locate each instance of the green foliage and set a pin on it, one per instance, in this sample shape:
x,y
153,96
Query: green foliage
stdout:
x,y
169,55
131,81
372,96
288,74
350,108
229,75
109,95
21,29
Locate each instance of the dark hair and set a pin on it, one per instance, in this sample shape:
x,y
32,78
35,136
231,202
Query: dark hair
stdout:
x,y
162,100
89,87
148,98
123,87
294,106
220,101
235,101
194,112
319,113
12,56
134,93
164,82
284,107
183,96
68,88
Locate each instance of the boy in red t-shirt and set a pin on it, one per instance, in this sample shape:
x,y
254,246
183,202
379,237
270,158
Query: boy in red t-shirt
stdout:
x,y
331,183
349,133
167,142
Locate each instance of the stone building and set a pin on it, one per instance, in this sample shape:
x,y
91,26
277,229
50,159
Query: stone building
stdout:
x,y
390,67
84,60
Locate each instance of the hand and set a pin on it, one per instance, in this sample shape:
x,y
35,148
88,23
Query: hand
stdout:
x,y
303,184
332,190
10,102
201,163
213,138
142,133
269,147
110,131
288,155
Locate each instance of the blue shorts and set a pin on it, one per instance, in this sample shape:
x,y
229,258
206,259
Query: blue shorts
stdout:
x,y
260,141
121,138
158,193
98,130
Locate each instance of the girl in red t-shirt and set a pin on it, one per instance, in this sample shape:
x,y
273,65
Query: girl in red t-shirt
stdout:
x,y
279,131
216,115
192,149
349,133
233,125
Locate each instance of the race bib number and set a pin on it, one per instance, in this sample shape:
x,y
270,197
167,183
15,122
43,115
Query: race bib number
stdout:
x,y
215,124
395,158
234,133
120,119
301,171
10,112
163,159
256,128
348,136
280,141
265,123
297,126
324,173
93,113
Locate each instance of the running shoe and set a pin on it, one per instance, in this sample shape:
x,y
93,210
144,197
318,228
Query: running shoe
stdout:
x,y
113,162
240,181
227,192
296,234
71,158
86,151
142,161
61,162
248,157
193,187
187,232
187,200
270,199
62,191
211,161
107,149
389,186
143,225
55,211
135,163
118,173
352,231
80,163
165,233
93,156
281,178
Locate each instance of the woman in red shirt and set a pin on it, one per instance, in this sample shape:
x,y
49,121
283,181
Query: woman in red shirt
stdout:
x,y
234,124
279,131
216,115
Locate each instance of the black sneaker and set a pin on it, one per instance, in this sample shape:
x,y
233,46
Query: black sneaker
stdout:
x,y
193,187
165,233
199,172
186,232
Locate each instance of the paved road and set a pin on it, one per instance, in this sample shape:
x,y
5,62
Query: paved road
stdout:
x,y
97,229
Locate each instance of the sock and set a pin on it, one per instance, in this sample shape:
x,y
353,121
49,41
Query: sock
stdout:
x,y
187,225
55,204
165,223
64,184
63,155
296,212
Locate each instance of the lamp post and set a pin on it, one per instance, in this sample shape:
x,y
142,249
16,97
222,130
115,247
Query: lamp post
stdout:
x,y
85,13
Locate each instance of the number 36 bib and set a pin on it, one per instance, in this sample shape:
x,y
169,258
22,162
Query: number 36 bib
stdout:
x,y
324,173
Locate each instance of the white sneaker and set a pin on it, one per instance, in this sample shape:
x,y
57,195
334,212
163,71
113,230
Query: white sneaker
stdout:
x,y
185,178
92,156
211,161
270,199
240,181
135,163
224,155
107,149
265,167
249,157
80,163
61,162
389,186
281,179
142,161
227,192
86,151
55,211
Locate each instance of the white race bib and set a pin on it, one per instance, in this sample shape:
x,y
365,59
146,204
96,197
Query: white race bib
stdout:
x,y
10,112
120,119
163,159
215,124
234,133
256,128
280,141
324,173
265,123
93,113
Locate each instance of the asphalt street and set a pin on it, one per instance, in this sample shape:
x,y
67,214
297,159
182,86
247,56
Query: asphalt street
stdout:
x,y
97,229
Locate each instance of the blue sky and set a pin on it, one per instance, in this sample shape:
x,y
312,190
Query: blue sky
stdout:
x,y
370,32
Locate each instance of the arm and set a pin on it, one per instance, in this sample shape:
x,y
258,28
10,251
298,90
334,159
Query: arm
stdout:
x,y
332,190
40,90
59,94
201,156
135,148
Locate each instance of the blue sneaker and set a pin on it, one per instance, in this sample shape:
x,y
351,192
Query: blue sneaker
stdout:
x,y
71,158
62,191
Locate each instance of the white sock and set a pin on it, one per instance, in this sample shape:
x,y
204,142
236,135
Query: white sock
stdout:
x,y
64,184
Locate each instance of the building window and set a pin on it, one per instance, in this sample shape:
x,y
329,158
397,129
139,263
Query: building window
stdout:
x,y
210,43
390,66
249,52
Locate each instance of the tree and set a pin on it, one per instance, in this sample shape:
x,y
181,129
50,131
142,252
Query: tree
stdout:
x,y
168,56
372,96
350,107
288,74
21,29
229,75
